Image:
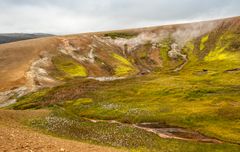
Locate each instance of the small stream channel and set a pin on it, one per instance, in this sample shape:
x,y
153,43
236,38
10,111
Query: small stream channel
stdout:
x,y
166,131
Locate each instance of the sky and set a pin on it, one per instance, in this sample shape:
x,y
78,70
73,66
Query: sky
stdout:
x,y
79,16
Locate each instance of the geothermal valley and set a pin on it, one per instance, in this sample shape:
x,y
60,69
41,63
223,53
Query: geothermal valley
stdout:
x,y
165,88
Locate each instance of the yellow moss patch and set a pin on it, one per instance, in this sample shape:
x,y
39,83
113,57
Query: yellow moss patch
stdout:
x,y
220,54
203,41
190,45
122,70
122,59
69,66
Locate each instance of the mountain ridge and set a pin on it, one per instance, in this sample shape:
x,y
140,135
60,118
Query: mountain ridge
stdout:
x,y
13,37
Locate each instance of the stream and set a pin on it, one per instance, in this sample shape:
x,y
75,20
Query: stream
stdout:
x,y
166,131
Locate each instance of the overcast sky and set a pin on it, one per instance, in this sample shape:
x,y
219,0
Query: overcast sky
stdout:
x,y
77,16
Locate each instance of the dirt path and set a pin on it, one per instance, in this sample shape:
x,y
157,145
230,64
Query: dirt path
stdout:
x,y
15,137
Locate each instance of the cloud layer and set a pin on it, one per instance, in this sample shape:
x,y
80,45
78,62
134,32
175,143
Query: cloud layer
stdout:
x,y
76,16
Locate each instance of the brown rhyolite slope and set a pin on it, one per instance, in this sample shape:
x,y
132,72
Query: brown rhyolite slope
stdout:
x,y
95,52
16,59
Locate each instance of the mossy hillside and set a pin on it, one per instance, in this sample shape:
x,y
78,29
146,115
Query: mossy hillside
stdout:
x,y
225,56
121,59
123,70
30,101
165,47
157,97
169,64
71,90
199,106
193,59
230,40
204,39
221,55
183,99
147,57
69,66
123,67
224,49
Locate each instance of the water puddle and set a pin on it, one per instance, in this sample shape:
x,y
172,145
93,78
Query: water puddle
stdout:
x,y
165,131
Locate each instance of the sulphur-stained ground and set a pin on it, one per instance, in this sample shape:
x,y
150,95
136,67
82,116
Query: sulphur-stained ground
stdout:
x,y
15,137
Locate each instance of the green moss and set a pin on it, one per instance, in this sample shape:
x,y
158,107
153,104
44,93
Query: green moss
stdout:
x,y
221,54
69,66
232,41
122,70
203,41
168,64
30,101
184,100
218,55
165,46
79,101
122,59
124,67
115,35
229,111
225,49
199,93
189,50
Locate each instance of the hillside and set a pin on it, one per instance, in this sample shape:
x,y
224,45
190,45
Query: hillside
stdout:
x,y
166,88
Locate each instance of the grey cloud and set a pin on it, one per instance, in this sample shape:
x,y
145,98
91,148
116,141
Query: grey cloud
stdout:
x,y
74,16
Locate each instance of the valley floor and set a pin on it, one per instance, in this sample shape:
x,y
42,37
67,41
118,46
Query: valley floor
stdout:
x,y
18,138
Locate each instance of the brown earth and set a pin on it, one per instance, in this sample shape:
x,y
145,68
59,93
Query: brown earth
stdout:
x,y
16,59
